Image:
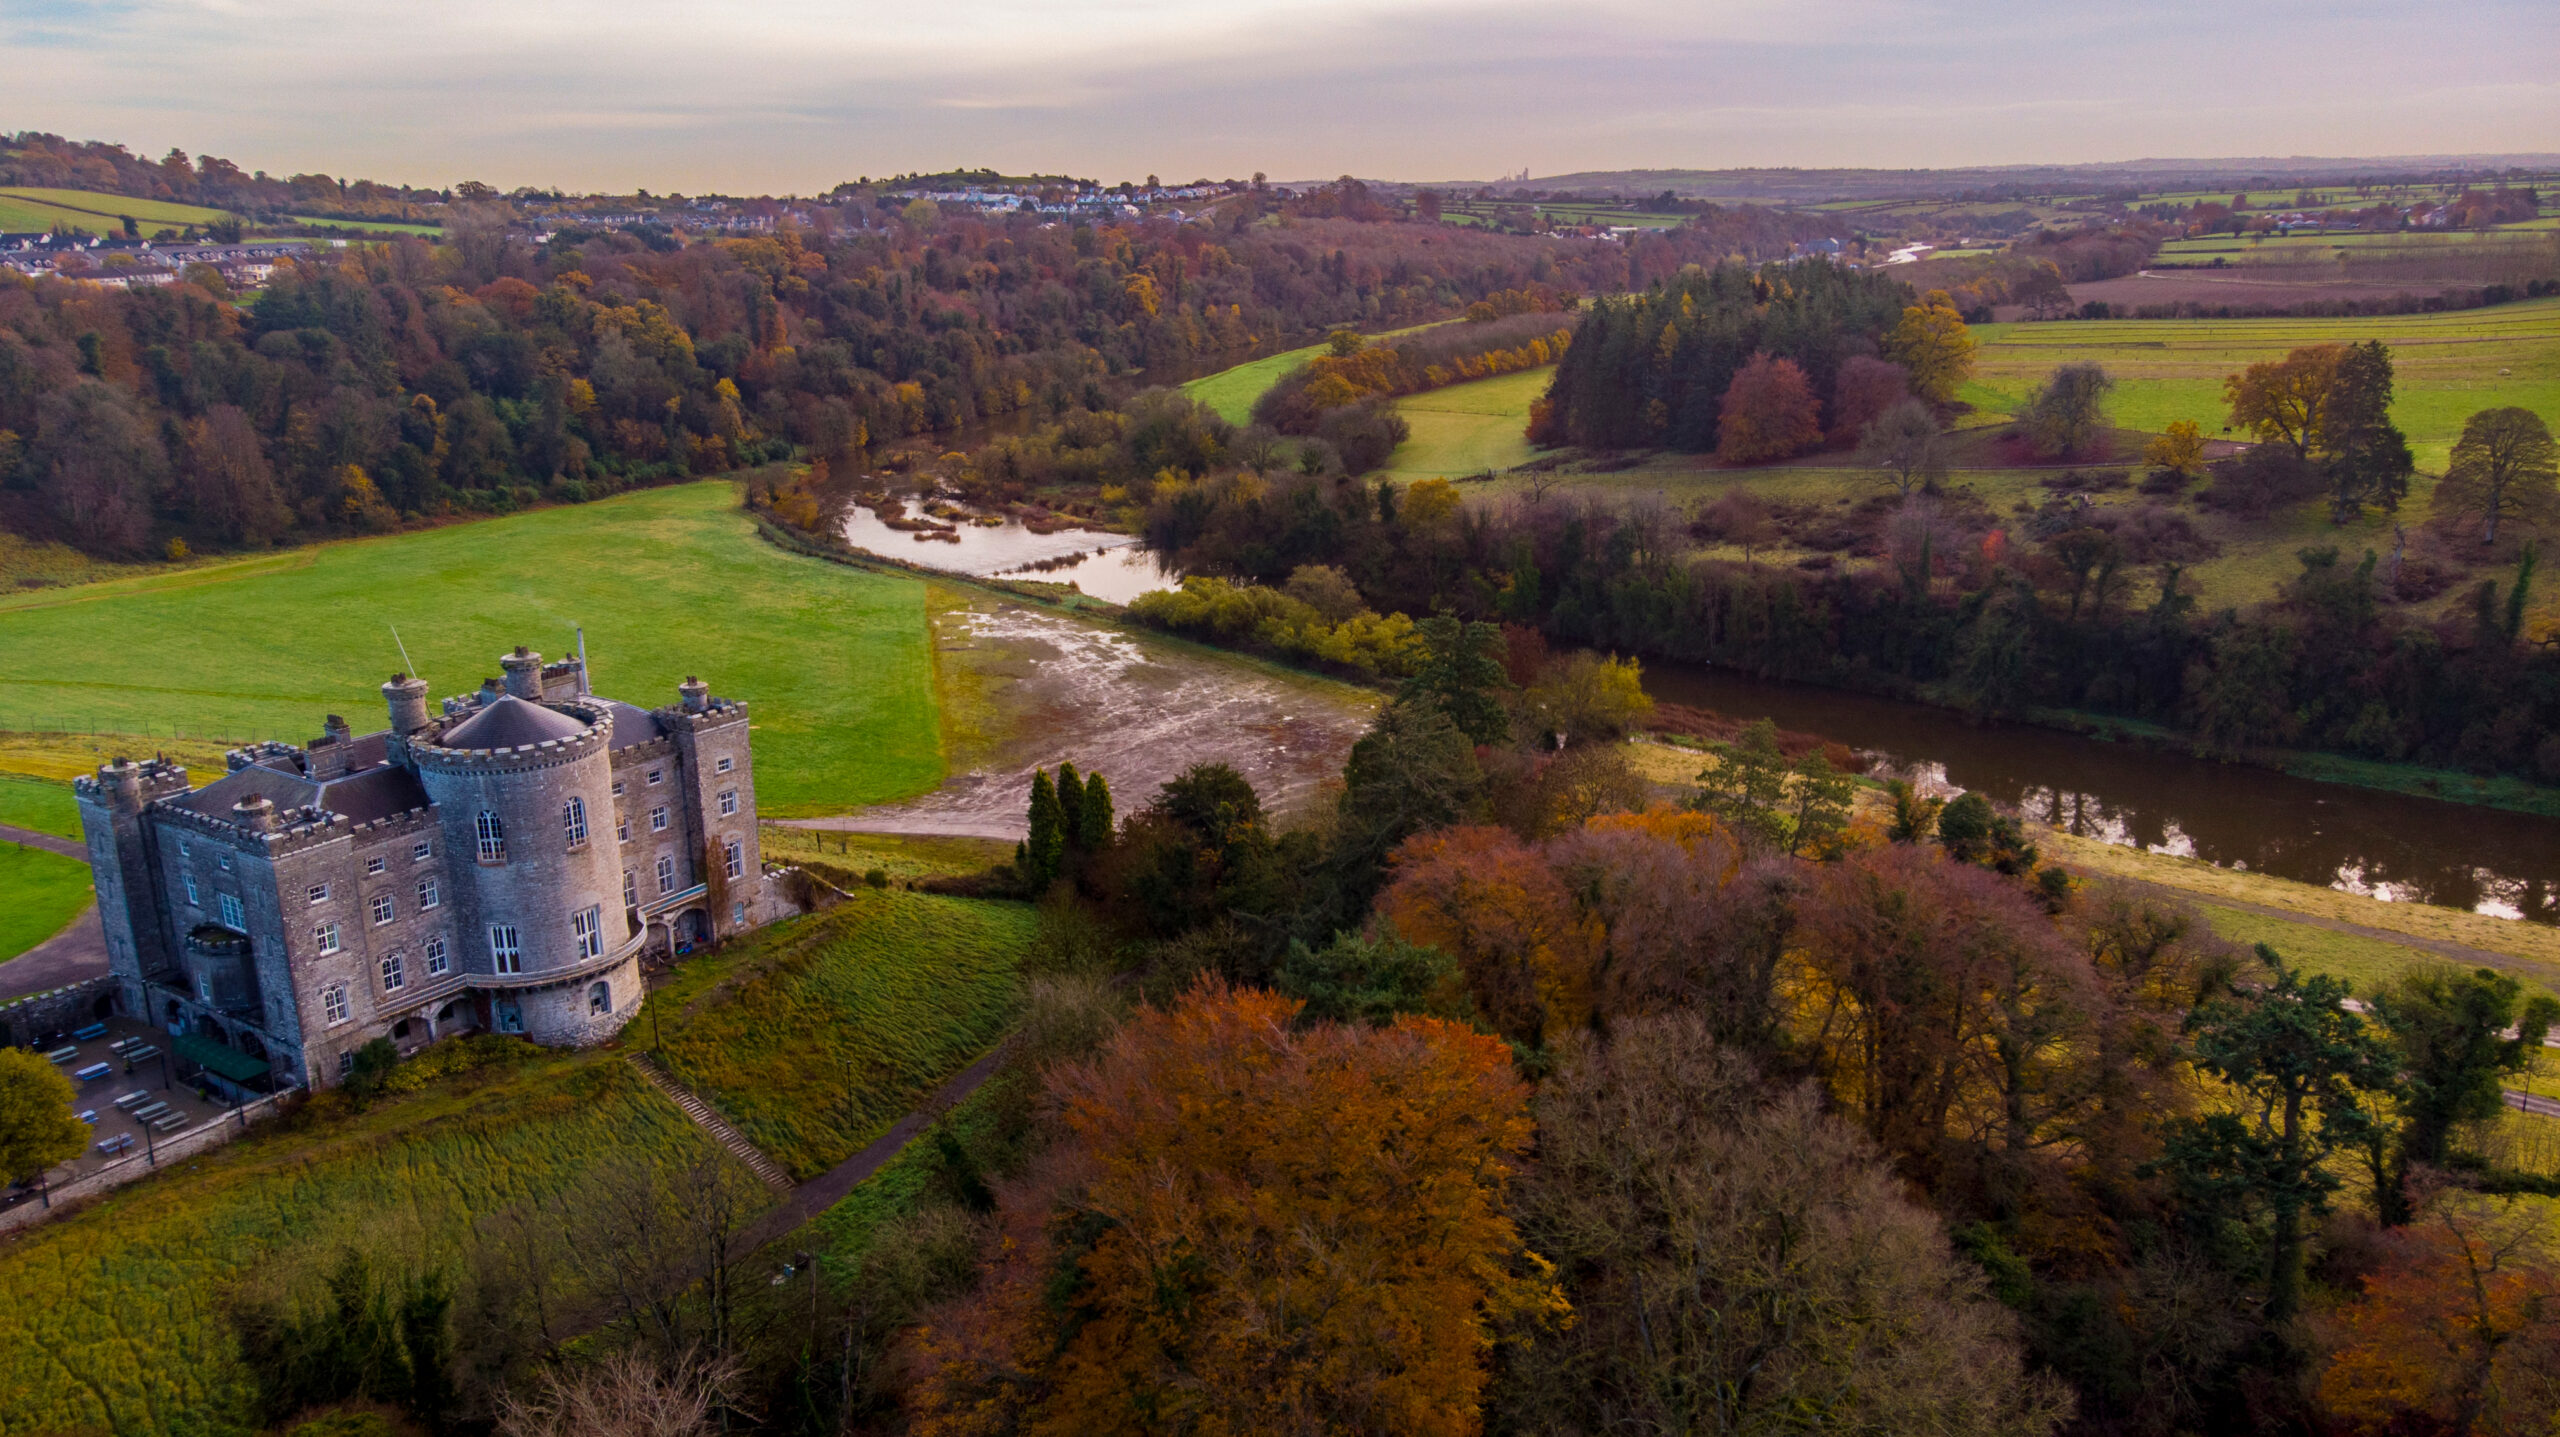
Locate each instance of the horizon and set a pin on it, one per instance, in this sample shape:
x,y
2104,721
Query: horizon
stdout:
x,y
796,98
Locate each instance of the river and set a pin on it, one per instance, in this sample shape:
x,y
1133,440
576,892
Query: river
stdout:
x,y
2388,845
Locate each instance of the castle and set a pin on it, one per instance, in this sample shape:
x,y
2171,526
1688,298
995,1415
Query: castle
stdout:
x,y
501,866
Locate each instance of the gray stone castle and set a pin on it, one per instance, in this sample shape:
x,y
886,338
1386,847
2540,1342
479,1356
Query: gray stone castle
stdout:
x,y
500,865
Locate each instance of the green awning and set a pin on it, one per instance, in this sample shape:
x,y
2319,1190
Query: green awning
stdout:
x,y
231,1063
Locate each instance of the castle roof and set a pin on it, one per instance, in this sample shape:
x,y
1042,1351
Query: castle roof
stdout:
x,y
371,793
631,724
511,722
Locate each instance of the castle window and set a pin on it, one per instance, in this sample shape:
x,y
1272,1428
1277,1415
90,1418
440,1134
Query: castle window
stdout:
x,y
657,776
382,908
183,851
436,963
333,1002
189,880
573,819
231,914
630,889
738,914
346,1063
326,935
428,897
666,874
600,998
222,861
586,931
422,850
393,979
728,802
506,955
617,788
724,765
658,819
319,893
493,838
375,864
622,828
736,855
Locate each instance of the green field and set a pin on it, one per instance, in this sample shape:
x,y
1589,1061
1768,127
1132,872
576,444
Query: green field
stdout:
x,y
1470,428
1232,392
44,807
821,1034
93,213
40,892
667,582
2449,366
110,1318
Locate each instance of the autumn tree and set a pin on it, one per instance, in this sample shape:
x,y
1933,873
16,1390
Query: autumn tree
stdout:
x,y
2457,1331
2285,400
1863,391
229,487
2456,1036
1491,902
1738,1259
2179,449
1585,698
2504,467
2064,416
2153,960
1905,442
1933,345
37,1126
1769,412
1253,1226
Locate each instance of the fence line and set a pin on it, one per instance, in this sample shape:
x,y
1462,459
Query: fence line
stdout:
x,y
206,1135
49,725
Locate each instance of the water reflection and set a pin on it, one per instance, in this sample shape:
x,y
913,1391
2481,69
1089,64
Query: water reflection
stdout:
x,y
2389,846
1111,567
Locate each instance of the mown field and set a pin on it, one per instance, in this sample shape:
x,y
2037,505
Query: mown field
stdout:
x,y
39,893
815,1037
25,208
668,582
110,1318
39,805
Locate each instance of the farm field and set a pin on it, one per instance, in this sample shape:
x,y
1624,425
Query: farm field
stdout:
x,y
39,893
1232,391
111,1318
667,582
42,209
814,1037
2449,366
1468,429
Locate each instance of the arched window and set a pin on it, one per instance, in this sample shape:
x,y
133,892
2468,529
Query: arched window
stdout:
x,y
666,874
573,818
493,838
600,998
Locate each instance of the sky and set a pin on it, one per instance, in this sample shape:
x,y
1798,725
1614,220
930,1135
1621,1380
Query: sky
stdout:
x,y
793,96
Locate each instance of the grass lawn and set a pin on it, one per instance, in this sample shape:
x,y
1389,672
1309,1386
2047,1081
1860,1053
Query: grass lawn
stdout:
x,y
44,807
147,212
110,1318
2447,366
1232,392
1469,428
815,1036
39,893
667,582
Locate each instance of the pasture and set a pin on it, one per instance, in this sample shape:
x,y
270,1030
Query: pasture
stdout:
x,y
668,582
36,804
1232,391
25,208
111,1319
1468,429
819,1034
40,892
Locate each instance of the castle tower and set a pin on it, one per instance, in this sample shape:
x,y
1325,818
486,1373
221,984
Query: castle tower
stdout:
x,y
524,673
407,699
122,864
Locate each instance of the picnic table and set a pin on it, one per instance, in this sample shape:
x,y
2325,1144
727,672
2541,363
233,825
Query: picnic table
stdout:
x,y
94,1030
147,1113
140,1053
132,1100
62,1055
94,1072
114,1145
172,1121
89,1116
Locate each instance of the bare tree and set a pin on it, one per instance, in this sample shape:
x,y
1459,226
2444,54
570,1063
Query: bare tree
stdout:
x,y
1905,443
627,1394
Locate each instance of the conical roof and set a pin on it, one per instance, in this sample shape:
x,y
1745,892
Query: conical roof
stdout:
x,y
511,722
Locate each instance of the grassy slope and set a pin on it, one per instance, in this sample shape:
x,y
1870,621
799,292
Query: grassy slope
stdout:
x,y
40,892
1469,428
44,807
1232,392
109,1318
2447,365
668,582
827,1030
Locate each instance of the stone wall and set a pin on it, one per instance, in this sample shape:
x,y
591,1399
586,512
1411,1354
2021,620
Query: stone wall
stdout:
x,y
140,1164
39,1015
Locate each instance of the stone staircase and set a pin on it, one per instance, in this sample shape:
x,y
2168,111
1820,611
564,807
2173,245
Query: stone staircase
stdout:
x,y
710,1122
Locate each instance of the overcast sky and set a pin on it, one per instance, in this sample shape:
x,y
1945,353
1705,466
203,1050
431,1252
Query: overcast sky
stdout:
x,y
794,95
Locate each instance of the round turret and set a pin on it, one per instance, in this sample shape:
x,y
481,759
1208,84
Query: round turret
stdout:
x,y
407,699
219,961
524,673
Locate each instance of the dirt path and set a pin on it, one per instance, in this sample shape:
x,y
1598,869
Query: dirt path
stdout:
x,y
50,843
75,953
831,1187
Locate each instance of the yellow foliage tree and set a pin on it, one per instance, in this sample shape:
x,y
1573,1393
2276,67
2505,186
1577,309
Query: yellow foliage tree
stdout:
x,y
37,1128
2180,450
2285,399
1932,342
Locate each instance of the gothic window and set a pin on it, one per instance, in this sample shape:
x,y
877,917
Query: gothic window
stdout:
x,y
506,955
428,897
573,819
586,931
326,935
189,880
600,998
333,1002
630,889
393,979
382,908
436,963
658,819
232,917
493,838
728,802
666,874
736,855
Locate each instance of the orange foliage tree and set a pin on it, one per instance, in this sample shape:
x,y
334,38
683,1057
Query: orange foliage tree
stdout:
x,y
1770,412
2285,400
1254,1228
1491,902
2458,1331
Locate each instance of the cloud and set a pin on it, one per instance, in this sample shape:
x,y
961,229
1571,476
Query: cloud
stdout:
x,y
793,95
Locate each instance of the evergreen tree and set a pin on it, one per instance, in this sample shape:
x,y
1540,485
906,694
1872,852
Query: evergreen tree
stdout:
x,y
1094,821
1461,675
1070,808
1044,852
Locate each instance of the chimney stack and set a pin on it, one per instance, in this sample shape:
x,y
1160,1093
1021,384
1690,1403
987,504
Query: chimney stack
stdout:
x,y
122,780
524,674
407,698
697,694
255,814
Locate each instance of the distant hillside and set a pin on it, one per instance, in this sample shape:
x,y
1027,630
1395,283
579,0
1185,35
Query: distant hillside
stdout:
x,y
1810,186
